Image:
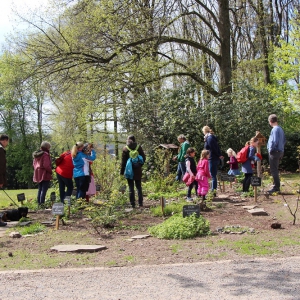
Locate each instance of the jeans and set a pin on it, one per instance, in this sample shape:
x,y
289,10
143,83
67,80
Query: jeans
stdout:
x,y
246,182
138,185
193,184
82,185
274,160
42,191
64,182
181,169
213,170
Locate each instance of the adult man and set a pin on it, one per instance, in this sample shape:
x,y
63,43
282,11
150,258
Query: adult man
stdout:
x,y
184,145
275,147
3,143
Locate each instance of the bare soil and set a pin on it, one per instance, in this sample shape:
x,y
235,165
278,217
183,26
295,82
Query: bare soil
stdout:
x,y
122,250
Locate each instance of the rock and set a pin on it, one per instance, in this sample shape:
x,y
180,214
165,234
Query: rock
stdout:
x,y
78,248
141,236
276,225
258,212
250,207
219,229
15,234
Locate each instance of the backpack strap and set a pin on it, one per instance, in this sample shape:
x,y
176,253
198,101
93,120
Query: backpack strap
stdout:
x,y
137,146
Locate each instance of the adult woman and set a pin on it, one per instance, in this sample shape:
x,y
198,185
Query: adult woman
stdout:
x,y
211,144
42,170
64,173
81,172
137,177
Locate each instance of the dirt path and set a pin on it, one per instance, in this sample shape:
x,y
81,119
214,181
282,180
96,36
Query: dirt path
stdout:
x,y
238,279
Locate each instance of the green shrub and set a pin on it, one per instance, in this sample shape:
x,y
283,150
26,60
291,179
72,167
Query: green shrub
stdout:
x,y
169,209
177,227
31,229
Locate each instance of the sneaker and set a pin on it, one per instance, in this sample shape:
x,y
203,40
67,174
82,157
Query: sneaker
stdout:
x,y
189,199
273,190
2,224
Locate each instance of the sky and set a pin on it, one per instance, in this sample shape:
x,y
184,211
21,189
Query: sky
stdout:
x,y
6,15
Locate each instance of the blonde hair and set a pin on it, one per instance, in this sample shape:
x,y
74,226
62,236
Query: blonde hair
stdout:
x,y
206,130
45,145
231,151
75,148
204,154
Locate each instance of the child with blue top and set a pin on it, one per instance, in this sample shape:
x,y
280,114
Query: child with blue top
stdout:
x,y
82,154
247,165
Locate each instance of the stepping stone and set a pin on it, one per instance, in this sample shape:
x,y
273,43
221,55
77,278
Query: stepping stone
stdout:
x,y
238,204
141,236
127,210
78,248
25,223
223,196
258,212
250,206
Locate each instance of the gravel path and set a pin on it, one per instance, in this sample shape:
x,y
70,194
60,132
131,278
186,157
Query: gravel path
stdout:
x,y
243,279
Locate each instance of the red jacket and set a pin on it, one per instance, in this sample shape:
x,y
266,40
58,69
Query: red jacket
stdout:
x,y
42,166
65,165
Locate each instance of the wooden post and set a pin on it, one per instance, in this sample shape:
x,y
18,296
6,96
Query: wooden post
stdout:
x,y
223,186
255,193
57,223
162,203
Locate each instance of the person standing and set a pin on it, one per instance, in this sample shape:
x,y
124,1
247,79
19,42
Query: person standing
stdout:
x,y
211,144
203,174
275,147
192,170
137,171
4,140
248,165
42,173
81,172
184,145
64,174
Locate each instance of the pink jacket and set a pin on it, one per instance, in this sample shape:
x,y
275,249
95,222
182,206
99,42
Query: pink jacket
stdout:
x,y
42,166
202,168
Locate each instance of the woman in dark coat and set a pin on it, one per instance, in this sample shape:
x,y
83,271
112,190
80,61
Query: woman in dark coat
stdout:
x,y
137,177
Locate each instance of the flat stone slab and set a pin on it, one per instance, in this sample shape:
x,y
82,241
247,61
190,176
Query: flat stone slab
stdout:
x,y
223,196
249,206
258,212
8,226
78,248
141,236
24,223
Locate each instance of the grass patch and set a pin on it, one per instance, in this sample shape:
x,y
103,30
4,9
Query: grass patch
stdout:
x,y
31,229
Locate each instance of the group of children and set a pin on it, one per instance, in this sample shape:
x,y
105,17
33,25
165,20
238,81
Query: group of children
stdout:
x,y
200,173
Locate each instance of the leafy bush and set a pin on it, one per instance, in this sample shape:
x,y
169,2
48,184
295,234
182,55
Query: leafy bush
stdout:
x,y
177,227
169,209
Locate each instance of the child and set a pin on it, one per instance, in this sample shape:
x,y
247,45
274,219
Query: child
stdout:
x,y
247,166
234,165
203,174
191,169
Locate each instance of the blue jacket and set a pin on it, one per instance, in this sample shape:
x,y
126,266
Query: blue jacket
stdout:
x,y
211,144
81,163
246,166
276,140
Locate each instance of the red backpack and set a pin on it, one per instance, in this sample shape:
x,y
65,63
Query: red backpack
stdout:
x,y
242,155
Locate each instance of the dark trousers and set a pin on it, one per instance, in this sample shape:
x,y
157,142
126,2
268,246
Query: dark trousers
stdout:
x,y
213,170
190,188
274,160
138,185
82,185
64,183
42,191
246,182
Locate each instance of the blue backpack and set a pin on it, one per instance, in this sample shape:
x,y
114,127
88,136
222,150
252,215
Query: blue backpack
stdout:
x,y
134,161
